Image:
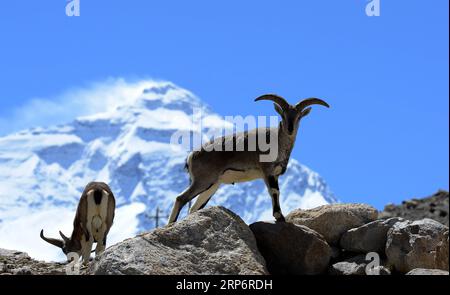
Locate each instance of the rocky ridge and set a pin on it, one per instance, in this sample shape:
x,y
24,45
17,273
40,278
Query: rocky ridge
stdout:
x,y
434,207
217,241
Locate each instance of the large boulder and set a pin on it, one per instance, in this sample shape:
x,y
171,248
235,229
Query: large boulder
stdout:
x,y
427,272
209,241
370,237
413,244
358,265
441,258
291,249
333,220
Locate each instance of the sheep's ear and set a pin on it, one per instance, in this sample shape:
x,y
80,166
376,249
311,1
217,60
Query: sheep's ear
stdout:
x,y
305,112
278,109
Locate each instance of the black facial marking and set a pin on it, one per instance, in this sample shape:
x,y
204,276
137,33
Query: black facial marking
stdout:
x,y
273,183
290,127
104,241
98,196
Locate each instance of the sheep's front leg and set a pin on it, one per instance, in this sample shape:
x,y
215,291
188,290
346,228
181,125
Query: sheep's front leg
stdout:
x,y
274,191
100,238
86,247
100,248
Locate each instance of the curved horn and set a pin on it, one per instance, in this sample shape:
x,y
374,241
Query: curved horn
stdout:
x,y
310,101
276,99
63,236
56,242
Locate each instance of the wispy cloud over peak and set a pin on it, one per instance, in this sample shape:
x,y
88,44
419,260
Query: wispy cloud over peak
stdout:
x,y
97,97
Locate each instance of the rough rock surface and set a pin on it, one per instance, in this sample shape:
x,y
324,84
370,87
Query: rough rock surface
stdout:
x,y
333,220
370,237
216,241
19,263
433,207
427,272
413,244
291,249
441,259
210,241
357,266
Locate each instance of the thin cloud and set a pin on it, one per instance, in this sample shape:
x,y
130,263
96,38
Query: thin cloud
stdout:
x,y
96,98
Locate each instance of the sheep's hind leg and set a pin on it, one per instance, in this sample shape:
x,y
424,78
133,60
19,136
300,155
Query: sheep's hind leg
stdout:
x,y
191,192
204,198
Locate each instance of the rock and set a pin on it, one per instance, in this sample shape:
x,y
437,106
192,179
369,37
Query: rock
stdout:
x,y
441,259
25,270
379,270
291,249
333,220
347,268
209,241
357,266
427,272
435,207
19,263
413,244
370,237
335,252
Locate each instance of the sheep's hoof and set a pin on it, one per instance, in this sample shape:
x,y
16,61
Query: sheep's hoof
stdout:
x,y
279,217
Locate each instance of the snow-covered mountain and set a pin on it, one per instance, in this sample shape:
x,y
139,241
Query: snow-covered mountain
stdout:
x,y
44,170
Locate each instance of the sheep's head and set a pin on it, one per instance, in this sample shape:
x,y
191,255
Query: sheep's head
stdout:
x,y
66,244
291,115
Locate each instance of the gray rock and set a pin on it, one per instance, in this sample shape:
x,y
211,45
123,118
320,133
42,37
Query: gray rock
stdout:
x,y
333,220
291,249
335,252
441,259
19,263
25,270
427,272
370,237
413,244
434,207
347,268
379,270
209,241
357,265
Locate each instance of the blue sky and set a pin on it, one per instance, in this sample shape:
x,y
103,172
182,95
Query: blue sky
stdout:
x,y
385,137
